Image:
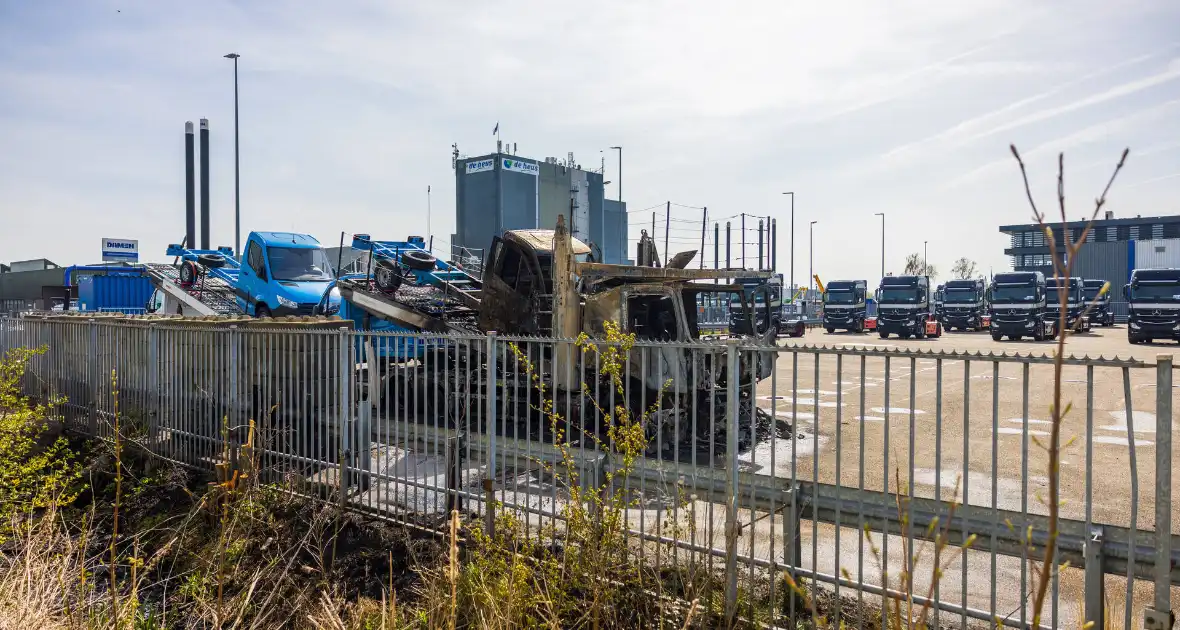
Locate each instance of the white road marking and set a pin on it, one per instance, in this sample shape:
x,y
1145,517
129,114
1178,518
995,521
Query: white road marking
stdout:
x,y
1120,441
1144,421
1030,421
1016,431
898,411
870,418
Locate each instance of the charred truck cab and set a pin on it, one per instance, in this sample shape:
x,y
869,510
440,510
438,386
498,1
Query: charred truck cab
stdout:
x,y
904,306
1102,313
845,305
1153,305
756,301
965,304
1075,304
1019,308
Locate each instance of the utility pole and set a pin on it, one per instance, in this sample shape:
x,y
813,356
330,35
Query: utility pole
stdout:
x,y
811,264
728,243
237,189
882,215
704,222
924,269
761,223
743,240
667,224
792,289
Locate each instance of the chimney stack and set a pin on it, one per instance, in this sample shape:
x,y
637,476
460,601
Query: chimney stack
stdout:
x,y
204,183
190,186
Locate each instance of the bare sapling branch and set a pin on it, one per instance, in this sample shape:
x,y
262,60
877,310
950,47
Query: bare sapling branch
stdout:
x,y
1063,267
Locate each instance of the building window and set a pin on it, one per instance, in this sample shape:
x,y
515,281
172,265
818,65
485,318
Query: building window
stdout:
x,y
1112,233
1092,235
1157,231
1133,233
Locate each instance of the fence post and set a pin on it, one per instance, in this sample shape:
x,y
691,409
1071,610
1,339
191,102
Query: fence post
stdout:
x,y
1095,587
1160,615
92,377
489,482
344,382
732,527
152,407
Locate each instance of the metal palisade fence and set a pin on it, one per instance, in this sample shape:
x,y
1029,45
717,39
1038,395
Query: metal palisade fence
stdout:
x,y
835,465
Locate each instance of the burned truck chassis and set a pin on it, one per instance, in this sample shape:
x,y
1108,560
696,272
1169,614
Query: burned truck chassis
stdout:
x,y
447,389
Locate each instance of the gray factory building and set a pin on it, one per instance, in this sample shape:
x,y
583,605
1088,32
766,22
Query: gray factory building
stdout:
x,y
499,192
1114,247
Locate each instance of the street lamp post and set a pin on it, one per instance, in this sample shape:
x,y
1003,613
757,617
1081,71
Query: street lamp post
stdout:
x,y
237,189
811,261
924,257
882,215
792,285
620,150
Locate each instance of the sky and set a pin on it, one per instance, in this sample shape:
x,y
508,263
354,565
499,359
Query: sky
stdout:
x,y
348,111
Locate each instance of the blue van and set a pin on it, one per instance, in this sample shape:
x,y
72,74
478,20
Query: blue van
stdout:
x,y
283,273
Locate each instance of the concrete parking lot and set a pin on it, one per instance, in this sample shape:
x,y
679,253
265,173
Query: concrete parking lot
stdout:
x,y
978,425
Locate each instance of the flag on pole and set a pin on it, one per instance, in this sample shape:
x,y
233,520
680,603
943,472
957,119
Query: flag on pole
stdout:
x,y
497,129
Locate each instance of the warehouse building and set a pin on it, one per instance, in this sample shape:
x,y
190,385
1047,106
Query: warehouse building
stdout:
x,y
499,192
1114,248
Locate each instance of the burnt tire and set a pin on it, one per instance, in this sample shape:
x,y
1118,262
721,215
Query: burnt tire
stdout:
x,y
419,260
211,261
188,273
387,277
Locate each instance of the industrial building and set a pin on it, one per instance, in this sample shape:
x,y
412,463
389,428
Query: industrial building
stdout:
x,y
500,191
1113,249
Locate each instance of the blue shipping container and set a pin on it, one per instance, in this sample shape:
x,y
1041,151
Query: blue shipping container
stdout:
x,y
127,293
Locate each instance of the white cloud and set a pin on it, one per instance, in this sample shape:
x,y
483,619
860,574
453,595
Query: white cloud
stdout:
x,y
349,111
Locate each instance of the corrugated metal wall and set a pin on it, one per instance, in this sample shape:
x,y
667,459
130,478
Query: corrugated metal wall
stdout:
x,y
614,243
518,201
1158,254
125,293
1104,261
476,211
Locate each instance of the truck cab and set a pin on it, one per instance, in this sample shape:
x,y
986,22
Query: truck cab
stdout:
x,y
1102,313
845,305
760,301
1019,307
904,306
283,273
964,304
1075,305
1153,305
939,301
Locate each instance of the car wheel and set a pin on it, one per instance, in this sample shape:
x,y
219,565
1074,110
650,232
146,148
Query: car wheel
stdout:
x,y
830,330
188,273
261,311
883,334
1015,337
386,277
997,336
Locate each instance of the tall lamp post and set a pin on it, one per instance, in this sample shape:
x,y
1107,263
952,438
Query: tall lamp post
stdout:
x,y
882,215
811,262
620,150
237,189
791,287
924,269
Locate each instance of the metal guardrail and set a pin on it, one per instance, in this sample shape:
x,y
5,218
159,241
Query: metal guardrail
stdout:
x,y
849,434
